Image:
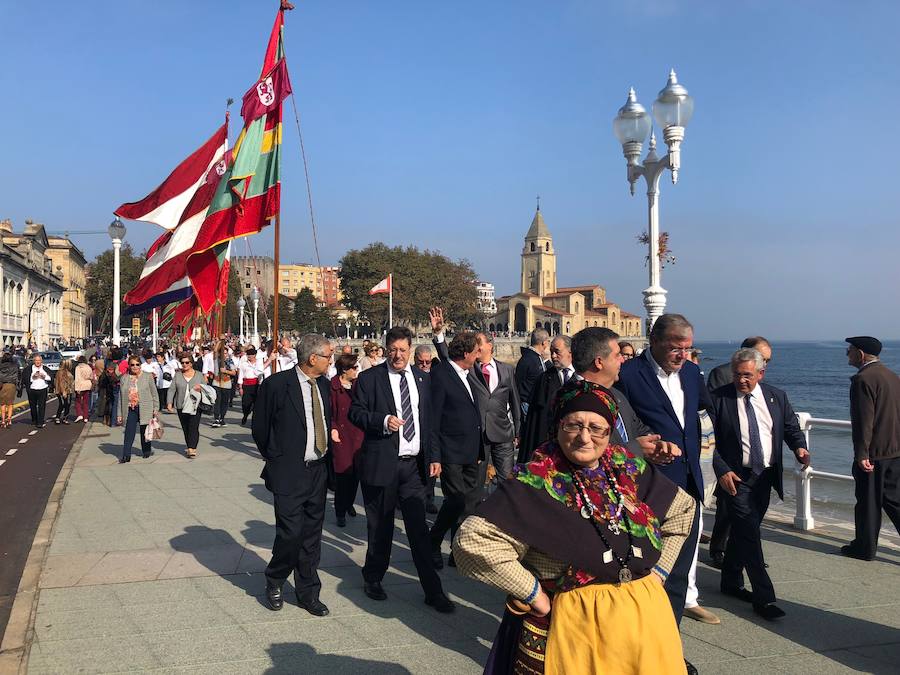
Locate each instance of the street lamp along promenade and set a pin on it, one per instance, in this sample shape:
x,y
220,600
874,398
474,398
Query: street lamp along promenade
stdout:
x,y
672,110
241,303
116,232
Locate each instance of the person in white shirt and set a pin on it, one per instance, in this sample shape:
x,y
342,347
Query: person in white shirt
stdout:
x,y
287,355
209,364
36,379
251,373
163,372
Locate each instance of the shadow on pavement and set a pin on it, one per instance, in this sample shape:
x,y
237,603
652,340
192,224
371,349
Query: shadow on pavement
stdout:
x,y
301,658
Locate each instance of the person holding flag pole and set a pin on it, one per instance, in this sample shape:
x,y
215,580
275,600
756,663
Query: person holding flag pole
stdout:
x,y
386,285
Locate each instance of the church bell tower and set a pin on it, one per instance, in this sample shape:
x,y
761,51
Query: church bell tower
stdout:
x,y
538,258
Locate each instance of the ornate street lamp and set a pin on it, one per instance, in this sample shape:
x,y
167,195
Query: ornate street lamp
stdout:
x,y
672,110
117,234
254,298
241,303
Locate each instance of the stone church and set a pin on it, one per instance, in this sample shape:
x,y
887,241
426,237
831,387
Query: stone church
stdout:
x,y
541,304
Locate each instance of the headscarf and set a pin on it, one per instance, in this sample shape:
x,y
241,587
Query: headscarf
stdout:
x,y
584,396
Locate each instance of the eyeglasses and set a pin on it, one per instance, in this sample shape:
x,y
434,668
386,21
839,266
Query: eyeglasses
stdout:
x,y
132,365
595,430
185,363
679,350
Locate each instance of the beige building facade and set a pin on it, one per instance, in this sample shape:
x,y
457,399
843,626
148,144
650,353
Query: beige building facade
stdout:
x,y
292,278
69,260
560,310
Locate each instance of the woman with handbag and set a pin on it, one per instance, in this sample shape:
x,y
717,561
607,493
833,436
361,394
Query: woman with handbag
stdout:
x,y
179,393
64,388
222,380
9,380
84,382
138,404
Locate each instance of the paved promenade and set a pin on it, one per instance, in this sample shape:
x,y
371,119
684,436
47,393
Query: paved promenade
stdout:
x,y
157,566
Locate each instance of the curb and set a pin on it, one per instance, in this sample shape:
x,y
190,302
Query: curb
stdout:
x,y
16,645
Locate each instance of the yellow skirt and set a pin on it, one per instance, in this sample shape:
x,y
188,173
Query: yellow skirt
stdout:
x,y
606,629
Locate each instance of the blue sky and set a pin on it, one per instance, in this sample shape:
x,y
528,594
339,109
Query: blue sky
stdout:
x,y
436,124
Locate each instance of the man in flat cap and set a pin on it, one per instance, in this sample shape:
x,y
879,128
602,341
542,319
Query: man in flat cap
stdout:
x,y
875,417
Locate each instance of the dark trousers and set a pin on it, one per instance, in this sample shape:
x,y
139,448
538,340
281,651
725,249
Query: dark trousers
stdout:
x,y
64,405
722,525
462,485
345,488
744,550
503,457
299,517
162,393
190,425
37,401
875,491
248,399
221,403
132,424
677,582
429,490
408,491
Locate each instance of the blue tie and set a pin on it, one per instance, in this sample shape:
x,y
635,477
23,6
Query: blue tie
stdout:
x,y
620,427
409,426
757,465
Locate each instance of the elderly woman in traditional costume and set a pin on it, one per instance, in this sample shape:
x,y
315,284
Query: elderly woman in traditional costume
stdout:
x,y
581,539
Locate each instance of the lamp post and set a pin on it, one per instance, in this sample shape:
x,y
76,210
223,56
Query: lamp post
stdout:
x,y
254,298
117,234
672,110
241,303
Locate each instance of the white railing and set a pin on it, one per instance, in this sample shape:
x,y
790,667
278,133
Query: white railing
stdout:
x,y
803,518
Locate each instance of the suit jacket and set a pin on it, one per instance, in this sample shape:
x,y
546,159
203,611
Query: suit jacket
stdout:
x,y
373,400
719,377
496,407
729,451
634,427
537,424
528,370
456,431
875,412
279,429
638,381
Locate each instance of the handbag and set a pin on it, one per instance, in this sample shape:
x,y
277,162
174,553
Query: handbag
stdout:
x,y
167,377
154,430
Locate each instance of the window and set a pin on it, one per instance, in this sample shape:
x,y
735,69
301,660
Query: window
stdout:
x,y
532,247
246,285
547,246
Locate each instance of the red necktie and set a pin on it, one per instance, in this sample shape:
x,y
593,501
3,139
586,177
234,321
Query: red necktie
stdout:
x,y
486,372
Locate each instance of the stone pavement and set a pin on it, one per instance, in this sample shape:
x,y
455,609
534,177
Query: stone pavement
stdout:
x,y
157,566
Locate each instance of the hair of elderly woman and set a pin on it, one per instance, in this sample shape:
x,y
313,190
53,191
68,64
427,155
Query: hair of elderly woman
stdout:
x,y
309,344
345,362
744,355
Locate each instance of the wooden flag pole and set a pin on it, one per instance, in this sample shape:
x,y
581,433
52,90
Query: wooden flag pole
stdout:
x,y
274,335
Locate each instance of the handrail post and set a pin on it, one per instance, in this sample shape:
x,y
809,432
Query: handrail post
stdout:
x,y
803,518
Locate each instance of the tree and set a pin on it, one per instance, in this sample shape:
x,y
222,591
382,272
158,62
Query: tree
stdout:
x,y
232,316
309,317
422,279
99,287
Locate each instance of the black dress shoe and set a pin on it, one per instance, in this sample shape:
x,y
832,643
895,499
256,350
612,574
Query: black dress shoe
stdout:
x,y
341,521
315,606
716,558
274,596
690,667
374,590
430,508
351,512
739,593
769,611
441,603
147,454
853,552
122,460
438,559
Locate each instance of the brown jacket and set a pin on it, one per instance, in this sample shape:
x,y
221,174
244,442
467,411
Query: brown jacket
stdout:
x,y
875,412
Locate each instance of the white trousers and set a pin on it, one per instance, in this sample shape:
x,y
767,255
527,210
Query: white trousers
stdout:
x,y
692,597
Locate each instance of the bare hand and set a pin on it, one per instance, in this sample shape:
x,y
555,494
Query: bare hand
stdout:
x,y
198,387
170,408
120,420
541,604
394,423
335,436
657,450
729,482
866,465
803,458
516,441
434,469
436,315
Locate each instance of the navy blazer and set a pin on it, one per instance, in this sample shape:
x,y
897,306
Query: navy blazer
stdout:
x,y
456,433
373,400
729,455
279,429
638,381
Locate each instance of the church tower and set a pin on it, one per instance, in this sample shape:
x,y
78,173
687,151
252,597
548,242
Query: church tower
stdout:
x,y
538,258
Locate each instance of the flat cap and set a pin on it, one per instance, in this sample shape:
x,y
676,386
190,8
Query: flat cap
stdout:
x,y
865,344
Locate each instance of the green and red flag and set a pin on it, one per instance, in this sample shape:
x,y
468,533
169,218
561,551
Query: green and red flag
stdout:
x,y
249,195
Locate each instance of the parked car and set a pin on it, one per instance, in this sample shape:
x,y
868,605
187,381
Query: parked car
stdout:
x,y
70,352
52,360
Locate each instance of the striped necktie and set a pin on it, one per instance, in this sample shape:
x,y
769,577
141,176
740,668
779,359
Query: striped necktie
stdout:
x,y
409,423
757,464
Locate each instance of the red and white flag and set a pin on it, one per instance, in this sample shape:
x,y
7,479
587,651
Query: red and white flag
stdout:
x,y
267,94
383,286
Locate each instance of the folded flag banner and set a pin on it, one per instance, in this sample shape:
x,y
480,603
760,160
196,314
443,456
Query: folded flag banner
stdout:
x,y
386,285
383,286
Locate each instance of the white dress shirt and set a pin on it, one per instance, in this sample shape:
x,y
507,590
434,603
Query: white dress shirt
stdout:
x,y
288,360
763,421
492,369
251,371
159,369
407,448
306,385
565,373
208,364
463,375
671,384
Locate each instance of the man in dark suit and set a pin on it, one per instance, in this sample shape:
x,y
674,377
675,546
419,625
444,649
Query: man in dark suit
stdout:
x,y
291,423
391,404
531,366
752,422
667,391
536,427
718,377
875,421
456,434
